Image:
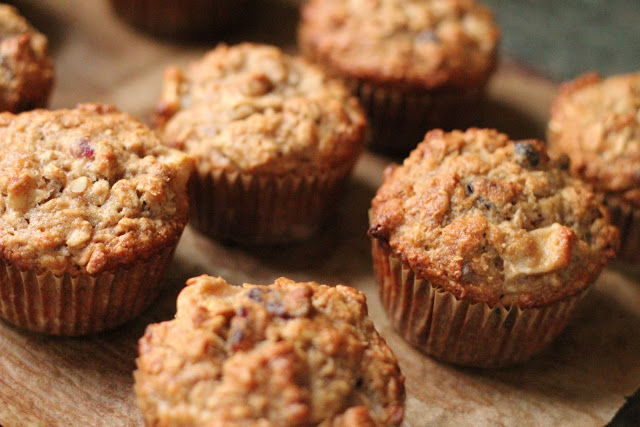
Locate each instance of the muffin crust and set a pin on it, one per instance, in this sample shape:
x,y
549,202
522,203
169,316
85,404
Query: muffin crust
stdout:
x,y
254,109
26,70
285,354
597,123
414,43
86,190
493,220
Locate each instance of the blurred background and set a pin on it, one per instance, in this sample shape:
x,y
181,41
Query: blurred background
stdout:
x,y
559,38
564,38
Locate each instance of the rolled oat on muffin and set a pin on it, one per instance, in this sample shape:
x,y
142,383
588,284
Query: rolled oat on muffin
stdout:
x,y
596,122
92,206
283,354
273,137
414,64
483,246
26,75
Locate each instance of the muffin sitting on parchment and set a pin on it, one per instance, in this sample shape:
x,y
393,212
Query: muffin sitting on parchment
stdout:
x,y
415,64
273,137
482,246
287,354
26,71
91,209
596,123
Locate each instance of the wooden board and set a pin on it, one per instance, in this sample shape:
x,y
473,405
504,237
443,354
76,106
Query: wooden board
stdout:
x,y
580,380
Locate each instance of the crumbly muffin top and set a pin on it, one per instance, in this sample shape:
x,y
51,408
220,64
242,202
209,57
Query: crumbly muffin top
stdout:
x,y
87,190
415,43
26,74
493,220
597,123
255,109
285,354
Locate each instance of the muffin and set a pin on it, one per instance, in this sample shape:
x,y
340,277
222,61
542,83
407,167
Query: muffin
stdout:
x,y
91,209
596,123
26,74
274,141
483,246
184,19
415,65
284,354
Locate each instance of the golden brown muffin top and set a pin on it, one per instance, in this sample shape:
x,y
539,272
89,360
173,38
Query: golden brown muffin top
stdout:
x,y
87,190
26,74
493,220
285,354
413,43
255,109
597,123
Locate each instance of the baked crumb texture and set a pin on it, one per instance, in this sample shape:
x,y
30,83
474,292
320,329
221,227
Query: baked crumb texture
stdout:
x,y
483,245
273,137
91,207
26,71
596,122
254,109
415,65
285,354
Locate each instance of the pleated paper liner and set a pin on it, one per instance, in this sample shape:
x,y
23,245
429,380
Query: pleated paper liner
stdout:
x,y
82,304
460,331
399,119
258,210
181,18
627,219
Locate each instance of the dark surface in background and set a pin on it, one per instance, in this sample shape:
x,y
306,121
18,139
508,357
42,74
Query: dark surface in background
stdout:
x,y
629,415
564,38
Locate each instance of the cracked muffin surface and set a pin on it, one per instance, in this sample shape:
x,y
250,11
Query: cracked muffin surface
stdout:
x,y
26,67
416,43
255,109
596,122
493,220
284,354
87,190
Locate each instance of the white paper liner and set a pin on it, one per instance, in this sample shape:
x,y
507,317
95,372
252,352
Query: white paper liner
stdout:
x,y
460,331
250,209
82,304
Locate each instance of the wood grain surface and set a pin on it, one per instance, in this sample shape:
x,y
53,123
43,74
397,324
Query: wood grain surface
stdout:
x,y
581,380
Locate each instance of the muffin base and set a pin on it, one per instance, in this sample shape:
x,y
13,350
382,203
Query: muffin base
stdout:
x,y
262,210
460,331
82,304
400,119
627,219
189,18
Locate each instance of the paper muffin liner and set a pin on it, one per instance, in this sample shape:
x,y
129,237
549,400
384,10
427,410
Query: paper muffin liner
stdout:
x,y
79,304
400,119
180,18
251,209
627,219
461,331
